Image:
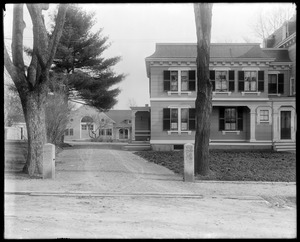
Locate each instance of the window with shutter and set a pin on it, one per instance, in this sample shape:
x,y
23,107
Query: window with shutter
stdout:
x,y
231,118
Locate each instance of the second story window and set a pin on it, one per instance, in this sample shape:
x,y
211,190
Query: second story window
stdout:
x,y
174,81
276,83
179,80
251,81
222,81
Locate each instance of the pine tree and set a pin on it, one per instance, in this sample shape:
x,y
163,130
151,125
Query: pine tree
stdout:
x,y
89,76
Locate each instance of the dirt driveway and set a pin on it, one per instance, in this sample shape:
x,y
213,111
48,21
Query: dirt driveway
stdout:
x,y
100,193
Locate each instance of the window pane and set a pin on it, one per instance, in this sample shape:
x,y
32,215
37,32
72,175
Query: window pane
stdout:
x,y
174,119
272,83
174,80
184,118
230,119
83,127
221,82
71,132
250,80
184,80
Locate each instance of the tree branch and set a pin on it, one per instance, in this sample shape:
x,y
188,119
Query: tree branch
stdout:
x,y
40,37
54,41
17,36
16,75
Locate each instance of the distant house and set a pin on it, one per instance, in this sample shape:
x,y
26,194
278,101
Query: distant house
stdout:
x,y
17,130
86,123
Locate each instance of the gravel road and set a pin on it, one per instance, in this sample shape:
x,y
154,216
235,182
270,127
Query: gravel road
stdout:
x,y
101,193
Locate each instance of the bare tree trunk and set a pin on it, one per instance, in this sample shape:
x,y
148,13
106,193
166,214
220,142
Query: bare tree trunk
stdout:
x,y
203,14
32,85
34,112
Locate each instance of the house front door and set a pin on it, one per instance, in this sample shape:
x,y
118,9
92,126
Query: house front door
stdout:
x,y
285,121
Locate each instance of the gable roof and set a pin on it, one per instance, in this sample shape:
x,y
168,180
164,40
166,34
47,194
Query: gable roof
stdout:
x,y
119,116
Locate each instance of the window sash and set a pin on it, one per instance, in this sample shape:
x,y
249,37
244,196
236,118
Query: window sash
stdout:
x,y
185,82
171,120
250,79
174,80
264,115
230,118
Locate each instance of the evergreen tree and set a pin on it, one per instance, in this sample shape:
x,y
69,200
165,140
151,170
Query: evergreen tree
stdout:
x,y
90,76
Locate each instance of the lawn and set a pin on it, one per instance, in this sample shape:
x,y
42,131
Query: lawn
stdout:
x,y
234,165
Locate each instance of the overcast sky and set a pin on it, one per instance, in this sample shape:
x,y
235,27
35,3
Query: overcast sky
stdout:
x,y
134,29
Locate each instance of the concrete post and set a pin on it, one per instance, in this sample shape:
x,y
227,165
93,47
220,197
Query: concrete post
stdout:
x,y
189,163
49,161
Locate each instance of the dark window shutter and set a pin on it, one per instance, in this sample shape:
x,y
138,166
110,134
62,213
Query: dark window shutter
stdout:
x,y
241,80
192,80
192,75
213,83
167,82
261,81
240,118
192,85
241,75
281,83
167,75
231,86
261,86
221,118
192,119
241,85
166,119
231,75
212,75
261,75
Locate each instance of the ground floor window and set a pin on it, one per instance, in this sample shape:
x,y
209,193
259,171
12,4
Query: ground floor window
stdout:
x,y
230,118
123,134
69,132
179,119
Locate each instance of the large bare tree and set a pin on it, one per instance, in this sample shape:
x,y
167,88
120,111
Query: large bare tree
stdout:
x,y
203,16
267,22
31,82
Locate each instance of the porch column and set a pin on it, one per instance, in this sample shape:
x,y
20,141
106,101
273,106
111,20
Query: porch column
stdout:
x,y
275,120
133,112
252,123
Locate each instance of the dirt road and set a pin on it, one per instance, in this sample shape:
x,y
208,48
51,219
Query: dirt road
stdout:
x,y
101,193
